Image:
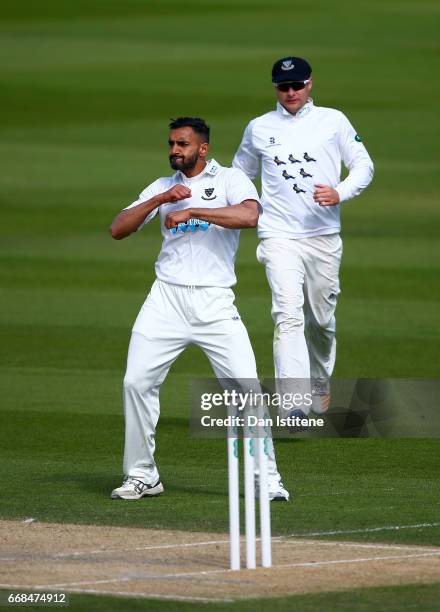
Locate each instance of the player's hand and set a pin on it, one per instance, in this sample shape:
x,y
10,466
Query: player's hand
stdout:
x,y
178,216
325,195
176,193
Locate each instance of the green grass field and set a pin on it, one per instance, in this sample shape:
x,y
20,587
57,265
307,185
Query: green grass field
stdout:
x,y
88,88
425,597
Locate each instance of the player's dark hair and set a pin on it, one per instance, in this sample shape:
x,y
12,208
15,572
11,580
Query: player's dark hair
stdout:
x,y
196,123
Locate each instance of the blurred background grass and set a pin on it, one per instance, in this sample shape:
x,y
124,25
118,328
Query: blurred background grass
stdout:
x,y
88,88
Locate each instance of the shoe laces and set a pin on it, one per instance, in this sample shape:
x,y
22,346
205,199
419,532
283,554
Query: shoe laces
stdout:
x,y
131,480
137,484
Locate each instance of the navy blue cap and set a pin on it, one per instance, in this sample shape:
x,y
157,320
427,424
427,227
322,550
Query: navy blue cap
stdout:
x,y
291,69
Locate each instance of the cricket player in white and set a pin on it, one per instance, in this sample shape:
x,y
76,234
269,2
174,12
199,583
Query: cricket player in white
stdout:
x,y
191,301
300,148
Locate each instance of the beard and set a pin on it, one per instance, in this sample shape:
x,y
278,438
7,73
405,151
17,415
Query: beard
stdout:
x,y
183,164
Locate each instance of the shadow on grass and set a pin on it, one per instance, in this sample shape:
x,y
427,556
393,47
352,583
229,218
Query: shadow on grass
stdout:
x,y
102,483
99,483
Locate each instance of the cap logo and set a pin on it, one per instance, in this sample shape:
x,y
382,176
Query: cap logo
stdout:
x,y
287,65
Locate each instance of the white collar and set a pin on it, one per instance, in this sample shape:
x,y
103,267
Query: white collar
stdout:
x,y
212,167
301,113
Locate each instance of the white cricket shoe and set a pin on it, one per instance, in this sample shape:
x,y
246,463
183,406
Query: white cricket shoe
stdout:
x,y
133,488
277,491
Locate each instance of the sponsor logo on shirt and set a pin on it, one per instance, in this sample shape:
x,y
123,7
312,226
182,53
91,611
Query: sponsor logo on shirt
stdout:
x,y
273,143
358,138
192,225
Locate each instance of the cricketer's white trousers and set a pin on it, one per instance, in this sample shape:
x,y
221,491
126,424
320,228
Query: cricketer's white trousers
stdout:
x,y
303,275
172,317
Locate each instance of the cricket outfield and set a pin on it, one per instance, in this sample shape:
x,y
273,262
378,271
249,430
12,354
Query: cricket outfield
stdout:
x,y
88,89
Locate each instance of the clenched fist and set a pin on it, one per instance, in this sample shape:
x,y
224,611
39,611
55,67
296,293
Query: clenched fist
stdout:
x,y
176,193
325,195
178,216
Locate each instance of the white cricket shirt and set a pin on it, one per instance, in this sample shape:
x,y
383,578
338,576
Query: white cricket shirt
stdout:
x,y
295,153
203,258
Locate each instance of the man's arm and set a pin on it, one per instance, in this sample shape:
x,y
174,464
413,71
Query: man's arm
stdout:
x,y
356,160
247,157
237,216
128,220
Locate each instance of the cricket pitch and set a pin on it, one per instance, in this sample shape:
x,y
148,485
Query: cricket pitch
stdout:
x,y
194,566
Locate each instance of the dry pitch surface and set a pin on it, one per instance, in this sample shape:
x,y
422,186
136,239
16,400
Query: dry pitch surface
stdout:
x,y
194,566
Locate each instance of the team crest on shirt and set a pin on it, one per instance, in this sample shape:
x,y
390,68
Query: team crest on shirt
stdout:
x,y
208,194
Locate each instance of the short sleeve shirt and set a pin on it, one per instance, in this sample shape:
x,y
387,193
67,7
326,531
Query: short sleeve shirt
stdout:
x,y
201,258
